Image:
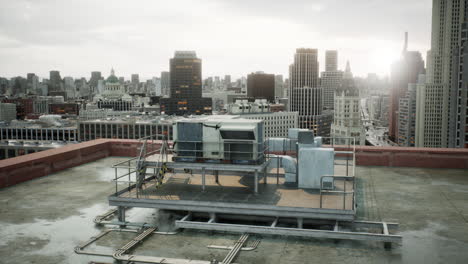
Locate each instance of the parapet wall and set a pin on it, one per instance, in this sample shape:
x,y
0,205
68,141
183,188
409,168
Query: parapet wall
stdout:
x,y
447,158
35,165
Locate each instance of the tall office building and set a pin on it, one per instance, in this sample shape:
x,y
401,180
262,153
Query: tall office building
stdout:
x,y
227,81
347,122
279,86
304,70
4,84
94,80
32,83
157,86
55,84
261,85
330,79
305,95
186,86
331,60
442,101
165,83
69,87
135,79
404,72
407,113
461,131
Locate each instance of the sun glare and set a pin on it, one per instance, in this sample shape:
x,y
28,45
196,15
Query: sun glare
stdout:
x,y
383,57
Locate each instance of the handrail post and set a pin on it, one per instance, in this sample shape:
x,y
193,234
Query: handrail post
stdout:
x,y
116,181
277,170
344,194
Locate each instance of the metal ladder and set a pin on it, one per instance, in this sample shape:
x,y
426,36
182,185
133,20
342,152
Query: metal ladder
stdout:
x,y
160,168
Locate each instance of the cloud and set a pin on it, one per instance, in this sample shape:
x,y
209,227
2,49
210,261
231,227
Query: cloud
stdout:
x,y
231,36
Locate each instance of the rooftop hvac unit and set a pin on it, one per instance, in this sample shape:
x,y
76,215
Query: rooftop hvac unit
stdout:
x,y
238,141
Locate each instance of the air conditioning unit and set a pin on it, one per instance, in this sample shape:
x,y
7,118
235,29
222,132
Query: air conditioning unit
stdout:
x,y
328,183
237,141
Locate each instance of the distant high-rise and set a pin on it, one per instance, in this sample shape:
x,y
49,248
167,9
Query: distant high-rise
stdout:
x,y
347,121
407,113
135,79
95,77
32,83
443,100
69,87
331,60
330,79
55,84
279,86
186,86
227,81
305,95
165,83
261,86
304,71
404,72
186,75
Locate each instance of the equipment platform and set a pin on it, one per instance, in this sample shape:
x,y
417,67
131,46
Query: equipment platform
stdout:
x,y
233,194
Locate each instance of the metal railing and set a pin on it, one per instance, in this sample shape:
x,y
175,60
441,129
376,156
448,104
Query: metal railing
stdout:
x,y
343,192
127,172
350,143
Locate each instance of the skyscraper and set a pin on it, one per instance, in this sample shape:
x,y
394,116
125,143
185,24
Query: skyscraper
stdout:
x,y
330,79
279,86
227,81
32,83
185,75
93,81
442,101
55,84
404,72
186,86
407,115
261,85
69,87
331,60
165,83
347,121
305,95
135,79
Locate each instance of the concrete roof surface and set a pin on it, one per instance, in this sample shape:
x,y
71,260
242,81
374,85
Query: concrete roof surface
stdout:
x,y
42,220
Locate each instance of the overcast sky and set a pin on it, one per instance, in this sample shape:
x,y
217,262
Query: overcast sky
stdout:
x,y
230,36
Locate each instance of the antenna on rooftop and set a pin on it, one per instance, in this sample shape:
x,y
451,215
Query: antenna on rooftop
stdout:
x,y
405,47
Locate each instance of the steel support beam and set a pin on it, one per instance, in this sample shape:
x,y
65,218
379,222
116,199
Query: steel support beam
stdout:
x,y
267,230
203,178
121,213
256,182
236,208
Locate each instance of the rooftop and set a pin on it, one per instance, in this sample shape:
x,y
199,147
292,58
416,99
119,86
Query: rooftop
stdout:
x,y
44,219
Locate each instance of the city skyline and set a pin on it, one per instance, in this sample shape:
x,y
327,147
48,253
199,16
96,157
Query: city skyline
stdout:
x,y
233,38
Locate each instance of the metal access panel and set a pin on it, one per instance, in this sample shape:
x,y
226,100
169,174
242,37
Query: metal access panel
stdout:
x,y
328,183
306,137
240,143
212,146
313,164
189,144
